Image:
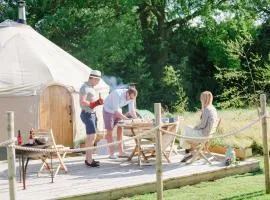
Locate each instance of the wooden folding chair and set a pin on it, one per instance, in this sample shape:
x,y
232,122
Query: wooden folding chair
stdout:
x,y
202,145
168,143
52,145
147,144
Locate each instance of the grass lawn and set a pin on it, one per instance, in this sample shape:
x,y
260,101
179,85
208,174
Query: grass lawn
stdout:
x,y
246,186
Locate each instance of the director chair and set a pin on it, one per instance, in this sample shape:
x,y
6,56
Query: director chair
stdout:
x,y
202,145
48,133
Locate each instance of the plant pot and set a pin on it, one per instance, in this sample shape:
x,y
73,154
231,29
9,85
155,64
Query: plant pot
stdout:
x,y
218,149
243,153
240,153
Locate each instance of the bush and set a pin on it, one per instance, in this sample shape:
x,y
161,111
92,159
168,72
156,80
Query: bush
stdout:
x,y
171,93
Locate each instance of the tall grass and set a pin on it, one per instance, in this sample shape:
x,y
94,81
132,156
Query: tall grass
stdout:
x,y
231,121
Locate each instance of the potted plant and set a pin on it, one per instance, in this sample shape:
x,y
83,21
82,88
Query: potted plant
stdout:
x,y
242,146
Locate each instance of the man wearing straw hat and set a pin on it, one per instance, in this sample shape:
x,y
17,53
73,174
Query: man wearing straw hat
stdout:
x,y
88,101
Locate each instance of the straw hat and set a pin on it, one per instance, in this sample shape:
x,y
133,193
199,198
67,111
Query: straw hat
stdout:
x,y
95,74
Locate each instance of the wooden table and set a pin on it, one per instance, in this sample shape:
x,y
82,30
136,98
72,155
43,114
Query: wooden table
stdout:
x,y
25,156
137,128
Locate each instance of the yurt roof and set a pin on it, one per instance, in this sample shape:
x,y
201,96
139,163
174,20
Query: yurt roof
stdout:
x,y
29,61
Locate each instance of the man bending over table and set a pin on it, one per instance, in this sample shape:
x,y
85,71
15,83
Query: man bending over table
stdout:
x,y
112,113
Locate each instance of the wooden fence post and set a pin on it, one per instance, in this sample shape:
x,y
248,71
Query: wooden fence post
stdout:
x,y
265,143
159,176
11,156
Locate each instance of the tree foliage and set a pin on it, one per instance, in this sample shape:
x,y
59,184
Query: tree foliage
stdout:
x,y
172,50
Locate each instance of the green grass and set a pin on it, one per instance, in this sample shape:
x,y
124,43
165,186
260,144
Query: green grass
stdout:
x,y
239,187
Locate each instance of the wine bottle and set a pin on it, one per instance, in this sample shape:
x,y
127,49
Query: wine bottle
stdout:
x,y
31,138
19,138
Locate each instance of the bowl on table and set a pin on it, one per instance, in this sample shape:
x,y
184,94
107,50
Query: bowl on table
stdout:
x,y
165,120
41,139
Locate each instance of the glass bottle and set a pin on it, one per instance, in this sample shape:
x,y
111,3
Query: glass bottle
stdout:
x,y
31,138
19,138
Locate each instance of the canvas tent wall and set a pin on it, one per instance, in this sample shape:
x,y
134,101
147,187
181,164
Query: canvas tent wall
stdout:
x,y
40,82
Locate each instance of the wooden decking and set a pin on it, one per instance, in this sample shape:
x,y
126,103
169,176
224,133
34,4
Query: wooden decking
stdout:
x,y
115,178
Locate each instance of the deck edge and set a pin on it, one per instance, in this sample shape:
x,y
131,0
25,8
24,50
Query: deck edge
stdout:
x,y
169,183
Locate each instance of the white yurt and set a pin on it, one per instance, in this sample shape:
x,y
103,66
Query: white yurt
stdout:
x,y
40,82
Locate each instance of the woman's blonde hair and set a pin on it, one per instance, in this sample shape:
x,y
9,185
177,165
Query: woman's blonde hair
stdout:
x,y
206,99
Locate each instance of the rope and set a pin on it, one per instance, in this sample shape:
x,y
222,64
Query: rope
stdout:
x,y
216,136
62,150
8,142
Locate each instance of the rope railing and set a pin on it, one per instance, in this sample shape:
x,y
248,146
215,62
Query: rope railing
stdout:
x,y
62,150
76,150
8,142
158,129
216,136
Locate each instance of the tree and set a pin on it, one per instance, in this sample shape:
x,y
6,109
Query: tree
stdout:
x,y
153,43
104,36
159,19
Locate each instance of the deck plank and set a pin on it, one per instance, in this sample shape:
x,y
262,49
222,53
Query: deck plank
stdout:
x,y
114,177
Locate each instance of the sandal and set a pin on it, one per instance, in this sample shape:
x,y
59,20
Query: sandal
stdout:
x,y
187,157
92,164
113,157
123,155
96,161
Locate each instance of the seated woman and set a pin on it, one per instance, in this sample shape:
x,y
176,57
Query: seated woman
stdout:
x,y
209,118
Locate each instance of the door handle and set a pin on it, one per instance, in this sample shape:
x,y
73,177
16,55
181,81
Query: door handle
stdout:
x,y
70,113
70,110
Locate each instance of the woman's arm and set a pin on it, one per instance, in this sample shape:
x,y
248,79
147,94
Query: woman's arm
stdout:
x,y
204,119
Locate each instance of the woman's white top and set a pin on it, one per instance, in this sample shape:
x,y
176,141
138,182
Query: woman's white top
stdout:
x,y
208,119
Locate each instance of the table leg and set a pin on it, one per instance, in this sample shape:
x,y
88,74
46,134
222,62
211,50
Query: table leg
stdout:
x,y
27,160
133,153
23,172
20,168
51,168
139,152
136,146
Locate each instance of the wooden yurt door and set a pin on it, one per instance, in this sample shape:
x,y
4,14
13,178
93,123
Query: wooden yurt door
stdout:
x,y
56,113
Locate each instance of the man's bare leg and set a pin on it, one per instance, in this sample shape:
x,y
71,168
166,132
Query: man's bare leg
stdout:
x,y
120,138
110,140
90,139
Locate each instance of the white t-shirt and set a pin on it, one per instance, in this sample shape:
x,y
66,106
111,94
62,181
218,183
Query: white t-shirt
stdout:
x,y
116,100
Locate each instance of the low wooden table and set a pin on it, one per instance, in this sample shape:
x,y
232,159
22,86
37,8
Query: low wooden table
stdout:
x,y
137,128
25,156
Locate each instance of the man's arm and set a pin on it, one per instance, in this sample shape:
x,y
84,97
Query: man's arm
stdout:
x,y
131,109
84,101
120,115
91,104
